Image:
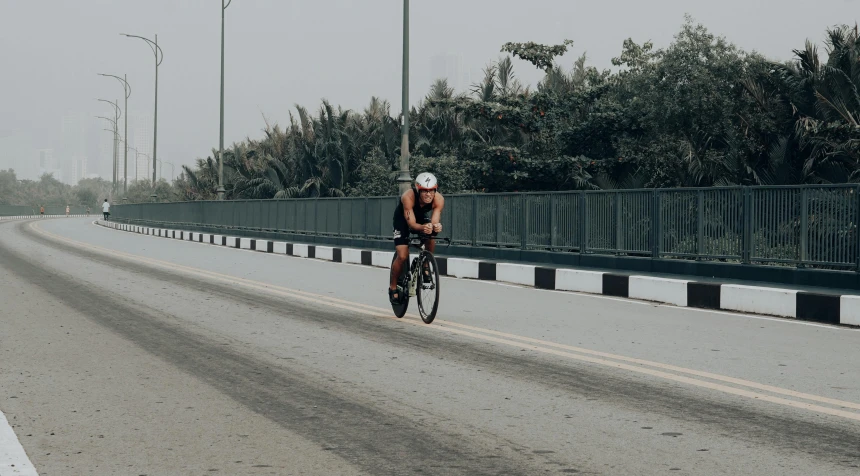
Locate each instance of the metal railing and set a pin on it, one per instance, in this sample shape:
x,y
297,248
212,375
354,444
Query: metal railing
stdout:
x,y
24,210
794,225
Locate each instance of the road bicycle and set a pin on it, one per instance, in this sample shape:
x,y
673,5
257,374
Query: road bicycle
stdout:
x,y
421,280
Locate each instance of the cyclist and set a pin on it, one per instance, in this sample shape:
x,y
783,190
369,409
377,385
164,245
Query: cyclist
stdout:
x,y
419,210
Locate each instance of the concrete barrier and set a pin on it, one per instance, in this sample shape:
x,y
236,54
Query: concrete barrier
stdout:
x,y
463,268
759,300
516,273
579,280
648,288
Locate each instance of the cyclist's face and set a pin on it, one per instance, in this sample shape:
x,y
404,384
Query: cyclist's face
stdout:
x,y
427,195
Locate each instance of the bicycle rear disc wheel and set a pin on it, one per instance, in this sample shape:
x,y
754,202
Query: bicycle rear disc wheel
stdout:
x,y
428,292
400,308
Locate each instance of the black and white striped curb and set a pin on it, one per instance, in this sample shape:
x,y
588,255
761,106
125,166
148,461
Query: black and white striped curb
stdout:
x,y
791,303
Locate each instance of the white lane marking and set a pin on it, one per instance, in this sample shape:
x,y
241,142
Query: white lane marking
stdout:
x,y
13,458
782,320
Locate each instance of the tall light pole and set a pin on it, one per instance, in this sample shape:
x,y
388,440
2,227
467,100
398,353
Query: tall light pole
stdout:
x,y
113,122
404,178
159,56
172,168
127,88
117,111
136,153
220,189
115,134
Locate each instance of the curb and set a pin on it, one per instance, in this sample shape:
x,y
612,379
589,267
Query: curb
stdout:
x,y
789,303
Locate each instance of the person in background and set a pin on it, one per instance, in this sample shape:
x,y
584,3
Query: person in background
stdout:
x,y
41,211
106,209
67,211
88,211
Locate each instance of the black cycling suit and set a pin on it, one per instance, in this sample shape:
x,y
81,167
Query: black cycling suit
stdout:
x,y
401,227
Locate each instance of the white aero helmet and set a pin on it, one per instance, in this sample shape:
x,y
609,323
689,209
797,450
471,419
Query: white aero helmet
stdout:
x,y
426,181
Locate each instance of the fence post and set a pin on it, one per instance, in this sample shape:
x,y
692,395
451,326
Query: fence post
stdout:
x,y
747,226
364,222
474,219
553,209
700,224
583,223
857,227
804,225
452,218
524,221
498,220
619,227
656,228
316,215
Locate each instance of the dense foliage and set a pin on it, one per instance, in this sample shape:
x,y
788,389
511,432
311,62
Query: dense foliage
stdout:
x,y
700,112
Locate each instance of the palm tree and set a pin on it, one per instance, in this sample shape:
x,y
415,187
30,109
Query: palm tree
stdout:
x,y
825,106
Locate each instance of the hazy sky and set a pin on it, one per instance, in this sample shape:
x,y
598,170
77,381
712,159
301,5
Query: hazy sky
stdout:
x,y
285,52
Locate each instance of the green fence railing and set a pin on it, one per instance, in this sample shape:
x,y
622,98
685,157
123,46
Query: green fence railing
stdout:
x,y
800,225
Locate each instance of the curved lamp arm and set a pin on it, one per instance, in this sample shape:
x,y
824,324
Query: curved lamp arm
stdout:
x,y
125,85
118,110
159,55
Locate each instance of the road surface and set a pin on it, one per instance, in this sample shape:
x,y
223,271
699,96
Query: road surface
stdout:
x,y
130,354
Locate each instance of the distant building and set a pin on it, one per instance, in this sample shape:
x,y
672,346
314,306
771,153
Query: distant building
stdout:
x,y
106,151
49,164
72,156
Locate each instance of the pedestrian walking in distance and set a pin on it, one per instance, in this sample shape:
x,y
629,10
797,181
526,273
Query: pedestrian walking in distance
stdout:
x,y
106,209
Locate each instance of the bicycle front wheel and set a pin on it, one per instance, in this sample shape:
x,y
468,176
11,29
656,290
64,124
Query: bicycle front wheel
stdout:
x,y
428,287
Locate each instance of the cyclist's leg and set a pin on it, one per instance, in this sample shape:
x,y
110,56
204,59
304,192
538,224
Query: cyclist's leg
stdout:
x,y
401,247
397,265
430,245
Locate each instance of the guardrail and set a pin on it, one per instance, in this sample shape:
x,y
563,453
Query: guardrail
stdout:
x,y
22,210
814,226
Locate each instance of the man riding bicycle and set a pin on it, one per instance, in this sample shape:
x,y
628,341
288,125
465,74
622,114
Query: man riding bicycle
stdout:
x,y
418,211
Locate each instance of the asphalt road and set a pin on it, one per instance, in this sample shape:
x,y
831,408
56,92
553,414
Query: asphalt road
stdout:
x,y
130,354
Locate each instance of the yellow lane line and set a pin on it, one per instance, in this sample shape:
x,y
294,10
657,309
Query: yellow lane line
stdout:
x,y
546,347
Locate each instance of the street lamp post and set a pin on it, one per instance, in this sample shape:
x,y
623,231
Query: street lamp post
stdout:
x,y
127,88
220,189
137,153
159,56
115,124
172,168
404,178
115,134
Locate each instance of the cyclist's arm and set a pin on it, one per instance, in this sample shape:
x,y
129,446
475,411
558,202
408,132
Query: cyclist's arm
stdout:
x,y
438,205
408,204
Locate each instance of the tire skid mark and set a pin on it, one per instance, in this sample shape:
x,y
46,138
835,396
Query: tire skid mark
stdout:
x,y
810,434
370,438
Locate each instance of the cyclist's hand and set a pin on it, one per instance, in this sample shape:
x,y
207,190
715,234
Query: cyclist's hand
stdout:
x,y
428,229
437,228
